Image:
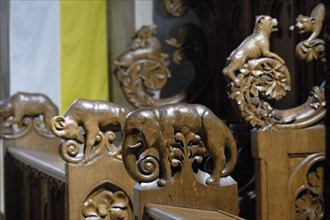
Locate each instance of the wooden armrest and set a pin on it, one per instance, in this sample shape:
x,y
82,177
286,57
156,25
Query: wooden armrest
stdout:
x,y
159,212
48,163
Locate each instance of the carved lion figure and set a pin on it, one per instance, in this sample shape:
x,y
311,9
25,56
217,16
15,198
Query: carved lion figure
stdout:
x,y
254,46
155,128
23,104
92,116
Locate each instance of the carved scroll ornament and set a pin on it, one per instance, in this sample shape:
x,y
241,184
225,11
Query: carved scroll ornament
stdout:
x,y
107,203
158,141
312,48
256,74
23,111
92,124
176,8
142,70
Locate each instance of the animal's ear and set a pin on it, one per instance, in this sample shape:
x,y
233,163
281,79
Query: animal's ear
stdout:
x,y
260,18
58,122
312,20
151,131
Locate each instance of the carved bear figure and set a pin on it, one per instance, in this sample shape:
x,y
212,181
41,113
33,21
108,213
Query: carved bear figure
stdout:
x,y
23,104
92,116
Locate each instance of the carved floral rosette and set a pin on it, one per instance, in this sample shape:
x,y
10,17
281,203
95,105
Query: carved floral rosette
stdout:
x,y
107,202
142,70
308,198
72,152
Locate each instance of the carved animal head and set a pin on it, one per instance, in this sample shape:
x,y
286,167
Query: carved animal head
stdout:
x,y
141,132
265,23
146,32
6,110
66,129
141,126
305,24
145,37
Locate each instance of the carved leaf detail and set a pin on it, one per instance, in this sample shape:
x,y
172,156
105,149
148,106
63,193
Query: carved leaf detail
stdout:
x,y
262,77
142,70
309,201
107,205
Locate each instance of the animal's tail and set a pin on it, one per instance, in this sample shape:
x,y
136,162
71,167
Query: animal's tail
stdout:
x,y
231,162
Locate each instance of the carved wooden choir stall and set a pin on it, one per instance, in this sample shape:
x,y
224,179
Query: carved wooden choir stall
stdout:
x,y
168,159
172,152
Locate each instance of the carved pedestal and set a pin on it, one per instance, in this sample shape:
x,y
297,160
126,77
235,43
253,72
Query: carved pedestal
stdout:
x,y
289,169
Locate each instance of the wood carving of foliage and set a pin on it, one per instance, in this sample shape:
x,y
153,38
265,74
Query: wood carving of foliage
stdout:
x,y
311,51
309,202
263,78
186,146
144,75
107,205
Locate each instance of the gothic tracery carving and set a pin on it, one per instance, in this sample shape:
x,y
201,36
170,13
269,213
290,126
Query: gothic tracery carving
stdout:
x,y
308,201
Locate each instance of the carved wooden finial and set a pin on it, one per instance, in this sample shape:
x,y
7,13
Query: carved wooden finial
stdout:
x,y
158,142
23,111
312,48
142,70
256,73
91,123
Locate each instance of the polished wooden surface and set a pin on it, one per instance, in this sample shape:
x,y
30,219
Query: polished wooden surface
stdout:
x,y
160,212
279,156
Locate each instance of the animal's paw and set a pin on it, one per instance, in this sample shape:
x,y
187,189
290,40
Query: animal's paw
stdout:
x,y
212,182
237,82
161,182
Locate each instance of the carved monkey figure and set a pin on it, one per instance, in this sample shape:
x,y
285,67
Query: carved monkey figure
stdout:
x,y
312,24
154,128
92,116
24,104
313,47
254,46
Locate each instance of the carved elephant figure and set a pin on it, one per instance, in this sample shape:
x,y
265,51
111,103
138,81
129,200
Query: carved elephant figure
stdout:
x,y
24,104
149,128
93,116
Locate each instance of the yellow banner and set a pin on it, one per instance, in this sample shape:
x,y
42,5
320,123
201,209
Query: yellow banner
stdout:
x,y
84,60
